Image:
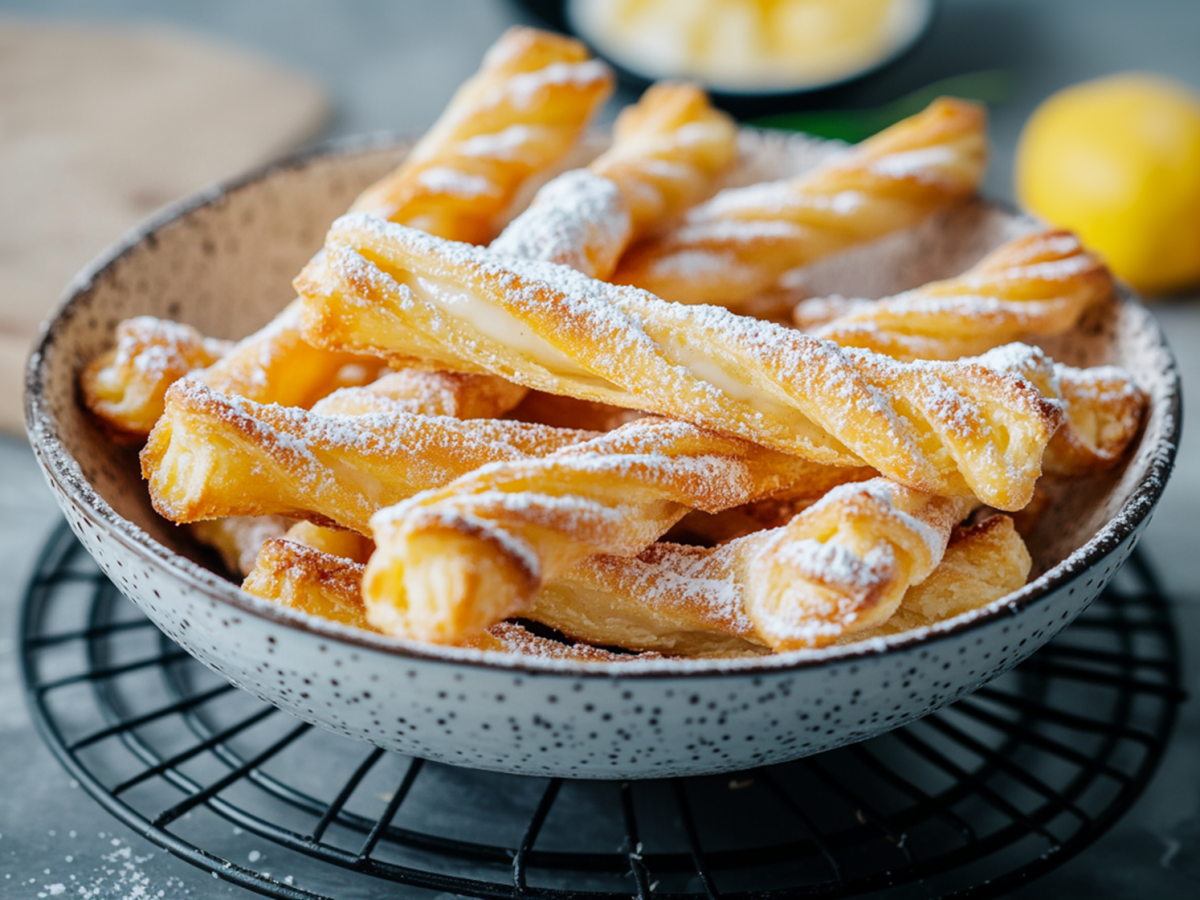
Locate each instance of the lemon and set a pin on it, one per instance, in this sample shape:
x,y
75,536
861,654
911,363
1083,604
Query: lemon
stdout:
x,y
1117,161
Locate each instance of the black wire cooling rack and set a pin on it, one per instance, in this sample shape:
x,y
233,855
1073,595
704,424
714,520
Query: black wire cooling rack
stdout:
x,y
971,801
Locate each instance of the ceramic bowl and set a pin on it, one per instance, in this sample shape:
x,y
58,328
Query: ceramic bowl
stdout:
x,y
223,261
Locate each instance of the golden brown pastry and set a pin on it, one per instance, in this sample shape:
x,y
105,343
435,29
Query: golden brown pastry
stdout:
x,y
982,563
672,599
214,454
1104,409
738,244
338,542
511,637
327,586
843,564
310,580
521,113
450,562
124,387
1034,286
667,151
951,428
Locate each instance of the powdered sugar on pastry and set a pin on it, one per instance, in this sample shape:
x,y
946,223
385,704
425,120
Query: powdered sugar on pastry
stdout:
x,y
947,427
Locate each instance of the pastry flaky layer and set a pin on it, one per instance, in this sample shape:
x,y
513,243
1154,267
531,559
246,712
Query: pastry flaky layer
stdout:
x,y
701,602
952,428
738,244
451,561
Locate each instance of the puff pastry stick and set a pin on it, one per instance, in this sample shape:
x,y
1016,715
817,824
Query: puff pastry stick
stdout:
x,y
214,454
982,563
691,601
667,151
1104,408
844,563
124,387
671,599
521,113
740,242
1034,286
944,427
452,561
327,586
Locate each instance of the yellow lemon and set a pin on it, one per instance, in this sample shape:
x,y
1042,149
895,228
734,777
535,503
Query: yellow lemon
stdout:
x,y
1117,160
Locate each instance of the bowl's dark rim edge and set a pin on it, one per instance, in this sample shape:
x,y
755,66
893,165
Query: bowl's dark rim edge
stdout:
x,y
58,464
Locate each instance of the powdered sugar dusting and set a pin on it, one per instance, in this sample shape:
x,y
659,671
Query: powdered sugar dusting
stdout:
x,y
579,219
446,180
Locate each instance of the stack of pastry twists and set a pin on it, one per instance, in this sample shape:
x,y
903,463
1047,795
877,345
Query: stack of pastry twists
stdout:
x,y
738,244
697,601
403,293
451,561
476,519
1035,286
188,485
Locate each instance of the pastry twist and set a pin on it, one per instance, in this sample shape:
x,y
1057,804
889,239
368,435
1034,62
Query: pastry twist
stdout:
x,y
452,561
739,243
1035,286
523,110
124,387
844,563
327,586
950,428
1102,406
667,151
673,599
982,563
214,454
1104,409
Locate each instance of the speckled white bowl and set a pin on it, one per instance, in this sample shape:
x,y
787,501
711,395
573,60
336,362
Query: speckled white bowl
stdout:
x,y
223,261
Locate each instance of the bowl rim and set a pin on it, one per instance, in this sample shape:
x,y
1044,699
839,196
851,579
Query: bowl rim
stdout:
x,y
924,14
60,467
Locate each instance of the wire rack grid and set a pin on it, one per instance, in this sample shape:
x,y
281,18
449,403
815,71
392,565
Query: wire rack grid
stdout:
x,y
971,801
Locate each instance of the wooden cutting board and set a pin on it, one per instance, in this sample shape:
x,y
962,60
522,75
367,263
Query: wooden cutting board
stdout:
x,y
101,126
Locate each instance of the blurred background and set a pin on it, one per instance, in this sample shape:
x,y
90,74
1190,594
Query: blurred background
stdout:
x,y
110,109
